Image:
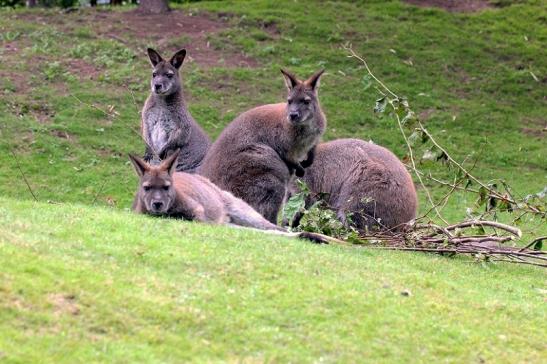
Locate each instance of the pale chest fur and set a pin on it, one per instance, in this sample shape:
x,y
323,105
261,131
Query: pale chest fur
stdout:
x,y
304,140
160,123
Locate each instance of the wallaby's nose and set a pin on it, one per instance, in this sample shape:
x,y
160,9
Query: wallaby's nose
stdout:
x,y
157,205
294,116
157,87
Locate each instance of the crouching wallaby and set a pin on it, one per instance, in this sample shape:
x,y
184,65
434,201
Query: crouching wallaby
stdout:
x,y
164,192
364,180
254,156
166,123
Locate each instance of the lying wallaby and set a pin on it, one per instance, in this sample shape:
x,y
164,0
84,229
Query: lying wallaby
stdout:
x,y
166,123
164,192
364,180
254,156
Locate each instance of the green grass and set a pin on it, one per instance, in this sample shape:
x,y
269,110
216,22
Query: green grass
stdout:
x,y
83,283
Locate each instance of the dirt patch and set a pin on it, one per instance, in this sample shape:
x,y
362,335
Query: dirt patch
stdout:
x,y
426,114
168,32
454,5
82,69
14,82
536,128
64,304
63,135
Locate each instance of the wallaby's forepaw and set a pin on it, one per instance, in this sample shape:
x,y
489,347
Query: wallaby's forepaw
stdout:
x,y
309,159
299,171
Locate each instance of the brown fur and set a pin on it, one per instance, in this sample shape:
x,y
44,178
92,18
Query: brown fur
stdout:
x,y
193,197
190,197
363,179
254,155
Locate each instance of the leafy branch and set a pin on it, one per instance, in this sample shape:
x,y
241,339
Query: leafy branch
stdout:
x,y
467,237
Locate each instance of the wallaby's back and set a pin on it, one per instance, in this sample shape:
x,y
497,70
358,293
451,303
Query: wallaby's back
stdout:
x,y
250,157
245,159
364,179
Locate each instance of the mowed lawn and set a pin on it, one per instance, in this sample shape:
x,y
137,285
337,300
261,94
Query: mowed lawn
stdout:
x,y
84,280
82,284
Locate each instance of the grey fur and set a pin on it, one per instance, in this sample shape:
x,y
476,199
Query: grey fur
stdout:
x,y
166,122
252,156
363,179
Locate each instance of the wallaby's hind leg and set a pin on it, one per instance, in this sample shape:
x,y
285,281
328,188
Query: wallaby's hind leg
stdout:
x,y
242,214
271,203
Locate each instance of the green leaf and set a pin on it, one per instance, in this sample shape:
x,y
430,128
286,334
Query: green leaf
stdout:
x,y
483,193
414,137
381,104
367,82
538,245
410,116
296,202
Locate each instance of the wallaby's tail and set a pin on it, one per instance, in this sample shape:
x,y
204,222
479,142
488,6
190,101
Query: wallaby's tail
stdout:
x,y
318,238
242,214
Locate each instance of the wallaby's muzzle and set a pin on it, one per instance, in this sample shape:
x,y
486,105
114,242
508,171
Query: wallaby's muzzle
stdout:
x,y
294,116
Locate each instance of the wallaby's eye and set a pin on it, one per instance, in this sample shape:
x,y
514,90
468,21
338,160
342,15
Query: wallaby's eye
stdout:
x,y
169,75
166,188
154,74
289,101
307,101
146,188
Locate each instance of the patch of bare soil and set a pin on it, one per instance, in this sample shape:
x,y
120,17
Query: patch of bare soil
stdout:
x,y
193,30
64,304
534,127
164,31
83,69
19,81
454,5
63,135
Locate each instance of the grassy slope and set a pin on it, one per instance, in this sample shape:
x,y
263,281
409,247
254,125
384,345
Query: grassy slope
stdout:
x,y
109,286
218,293
469,73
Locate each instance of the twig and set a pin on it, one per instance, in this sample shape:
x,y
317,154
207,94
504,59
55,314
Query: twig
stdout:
x,y
355,55
411,155
541,238
471,223
23,174
99,192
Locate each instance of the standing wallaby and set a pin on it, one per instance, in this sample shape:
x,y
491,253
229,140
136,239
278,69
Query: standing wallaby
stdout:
x,y
166,123
254,156
164,192
364,180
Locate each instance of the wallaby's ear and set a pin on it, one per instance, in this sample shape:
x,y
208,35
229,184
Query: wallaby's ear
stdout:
x,y
140,166
178,58
169,164
313,81
290,80
154,56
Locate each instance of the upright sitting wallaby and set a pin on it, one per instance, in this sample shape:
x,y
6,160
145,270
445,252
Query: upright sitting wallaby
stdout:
x,y
254,156
365,180
164,192
166,123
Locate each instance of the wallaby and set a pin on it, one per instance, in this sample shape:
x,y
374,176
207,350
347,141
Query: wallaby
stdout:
x,y
364,180
166,123
164,192
254,156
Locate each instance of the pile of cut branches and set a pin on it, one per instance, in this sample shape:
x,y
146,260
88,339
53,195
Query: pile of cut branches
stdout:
x,y
458,239
431,232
